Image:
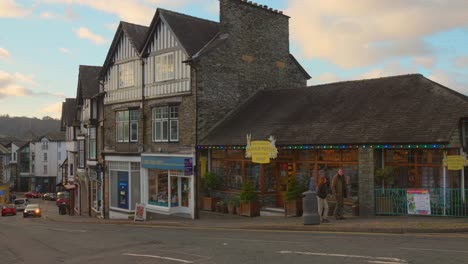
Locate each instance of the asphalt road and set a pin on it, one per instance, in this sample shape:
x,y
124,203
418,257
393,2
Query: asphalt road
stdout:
x,y
42,241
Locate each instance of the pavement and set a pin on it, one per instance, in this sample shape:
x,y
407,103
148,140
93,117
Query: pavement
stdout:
x,y
212,220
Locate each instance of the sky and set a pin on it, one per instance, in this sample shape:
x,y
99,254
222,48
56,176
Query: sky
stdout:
x,y
43,42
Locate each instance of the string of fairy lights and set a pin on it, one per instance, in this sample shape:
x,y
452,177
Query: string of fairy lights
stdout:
x,y
330,147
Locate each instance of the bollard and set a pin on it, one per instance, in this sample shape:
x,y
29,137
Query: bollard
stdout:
x,y
310,209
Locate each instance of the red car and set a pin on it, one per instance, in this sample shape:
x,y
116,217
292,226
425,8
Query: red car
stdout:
x,y
32,195
9,209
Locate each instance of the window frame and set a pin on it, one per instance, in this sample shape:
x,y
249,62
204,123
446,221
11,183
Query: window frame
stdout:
x,y
44,156
92,148
161,67
81,154
126,75
162,119
126,125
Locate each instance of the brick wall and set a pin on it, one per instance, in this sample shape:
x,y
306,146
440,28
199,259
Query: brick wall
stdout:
x,y
254,56
366,182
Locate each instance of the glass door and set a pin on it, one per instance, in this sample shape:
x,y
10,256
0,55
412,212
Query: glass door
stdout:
x,y
180,194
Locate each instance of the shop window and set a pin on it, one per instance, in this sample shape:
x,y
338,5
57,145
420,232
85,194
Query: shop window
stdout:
x,y
218,153
305,174
270,177
163,188
307,155
252,174
329,155
234,175
349,155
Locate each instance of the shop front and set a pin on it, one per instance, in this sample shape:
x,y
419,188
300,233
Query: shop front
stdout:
x,y
168,184
124,185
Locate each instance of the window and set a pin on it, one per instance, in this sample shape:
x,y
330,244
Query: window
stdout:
x,y
71,169
60,155
45,169
45,145
14,156
165,124
126,75
465,134
165,67
81,153
127,126
92,143
45,156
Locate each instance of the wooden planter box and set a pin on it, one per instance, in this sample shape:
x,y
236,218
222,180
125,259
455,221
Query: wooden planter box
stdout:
x,y
231,209
293,208
209,204
250,209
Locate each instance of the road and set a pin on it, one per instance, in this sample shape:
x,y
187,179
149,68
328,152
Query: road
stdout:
x,y
42,241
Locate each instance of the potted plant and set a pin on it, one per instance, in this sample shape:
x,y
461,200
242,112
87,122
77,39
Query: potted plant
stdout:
x,y
233,204
293,204
210,183
384,177
249,205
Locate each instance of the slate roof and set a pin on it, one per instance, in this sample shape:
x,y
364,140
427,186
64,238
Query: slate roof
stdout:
x,y
4,150
192,32
88,83
397,109
136,34
68,112
54,136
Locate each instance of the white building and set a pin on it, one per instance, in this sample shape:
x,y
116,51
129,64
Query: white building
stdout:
x,y
50,152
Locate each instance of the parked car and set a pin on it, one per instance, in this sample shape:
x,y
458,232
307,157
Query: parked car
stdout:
x,y
21,203
49,196
9,209
32,210
32,194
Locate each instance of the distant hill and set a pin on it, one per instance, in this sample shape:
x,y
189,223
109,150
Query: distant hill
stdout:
x,y
25,128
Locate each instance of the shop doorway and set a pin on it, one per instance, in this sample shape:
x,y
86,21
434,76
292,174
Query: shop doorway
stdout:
x,y
180,194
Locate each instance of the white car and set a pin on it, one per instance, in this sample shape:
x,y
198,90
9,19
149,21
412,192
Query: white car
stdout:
x,y
21,203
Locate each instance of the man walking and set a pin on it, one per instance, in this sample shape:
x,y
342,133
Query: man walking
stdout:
x,y
339,190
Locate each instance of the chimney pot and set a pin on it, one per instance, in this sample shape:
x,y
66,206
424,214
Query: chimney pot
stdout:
x,y
281,12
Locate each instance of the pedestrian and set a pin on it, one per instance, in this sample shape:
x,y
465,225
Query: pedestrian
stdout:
x,y
322,193
339,190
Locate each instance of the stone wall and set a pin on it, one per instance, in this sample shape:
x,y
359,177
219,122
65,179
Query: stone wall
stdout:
x,y
366,182
253,56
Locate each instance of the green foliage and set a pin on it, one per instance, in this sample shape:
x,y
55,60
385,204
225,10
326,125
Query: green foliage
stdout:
x,y
210,182
234,201
248,193
385,176
294,190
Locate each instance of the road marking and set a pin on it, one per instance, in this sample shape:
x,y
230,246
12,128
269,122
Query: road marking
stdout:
x,y
394,260
384,262
431,249
68,230
158,257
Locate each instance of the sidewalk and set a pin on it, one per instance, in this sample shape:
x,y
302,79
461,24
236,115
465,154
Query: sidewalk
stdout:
x,y
383,224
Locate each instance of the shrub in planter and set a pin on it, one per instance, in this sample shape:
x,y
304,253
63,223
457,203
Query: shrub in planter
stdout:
x,y
249,205
210,183
293,204
233,205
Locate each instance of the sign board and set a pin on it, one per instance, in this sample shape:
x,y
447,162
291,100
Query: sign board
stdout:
x,y
188,167
418,201
164,163
140,212
455,162
261,151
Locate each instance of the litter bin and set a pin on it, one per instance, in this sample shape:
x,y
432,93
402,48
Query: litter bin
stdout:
x,y
62,209
310,209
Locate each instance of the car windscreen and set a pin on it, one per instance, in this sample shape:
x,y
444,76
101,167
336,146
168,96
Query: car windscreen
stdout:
x,y
32,206
19,201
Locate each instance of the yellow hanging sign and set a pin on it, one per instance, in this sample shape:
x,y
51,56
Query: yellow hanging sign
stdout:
x,y
260,151
455,162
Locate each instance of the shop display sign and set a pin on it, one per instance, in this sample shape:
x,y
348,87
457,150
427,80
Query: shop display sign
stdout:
x,y
261,151
418,202
455,162
163,163
188,167
140,212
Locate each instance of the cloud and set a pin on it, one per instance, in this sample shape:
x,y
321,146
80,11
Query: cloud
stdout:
x,y
64,50
4,54
9,8
70,14
453,80
461,62
54,110
85,33
364,32
327,77
427,62
112,27
14,85
48,15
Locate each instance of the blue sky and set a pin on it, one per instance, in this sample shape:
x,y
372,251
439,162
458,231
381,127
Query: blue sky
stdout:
x,y
43,42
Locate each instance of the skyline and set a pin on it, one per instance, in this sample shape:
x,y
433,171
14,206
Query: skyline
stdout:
x,y
43,42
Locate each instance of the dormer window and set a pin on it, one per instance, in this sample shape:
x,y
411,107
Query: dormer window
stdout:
x,y
165,67
126,75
